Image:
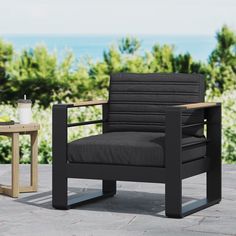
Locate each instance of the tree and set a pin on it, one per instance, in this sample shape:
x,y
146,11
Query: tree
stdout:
x,y
223,60
6,53
113,60
129,45
162,58
183,63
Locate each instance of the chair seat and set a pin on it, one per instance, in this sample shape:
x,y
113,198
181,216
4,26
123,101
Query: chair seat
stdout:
x,y
131,148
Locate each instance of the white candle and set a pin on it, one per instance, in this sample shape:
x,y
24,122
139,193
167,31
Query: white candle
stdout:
x,y
24,111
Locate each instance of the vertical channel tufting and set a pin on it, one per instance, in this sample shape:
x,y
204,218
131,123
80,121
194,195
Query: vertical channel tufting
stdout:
x,y
136,101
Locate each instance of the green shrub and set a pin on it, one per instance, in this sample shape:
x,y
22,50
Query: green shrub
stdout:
x,y
228,100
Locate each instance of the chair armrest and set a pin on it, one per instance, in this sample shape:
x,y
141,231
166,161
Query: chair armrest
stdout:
x,y
199,105
89,103
60,112
208,107
174,126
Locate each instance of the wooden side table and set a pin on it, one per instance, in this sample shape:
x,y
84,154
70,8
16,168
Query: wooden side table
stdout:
x,y
14,131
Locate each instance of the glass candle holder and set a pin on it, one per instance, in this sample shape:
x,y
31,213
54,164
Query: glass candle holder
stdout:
x,y
24,111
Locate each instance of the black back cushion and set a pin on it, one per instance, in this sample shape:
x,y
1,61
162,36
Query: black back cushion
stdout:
x,y
136,101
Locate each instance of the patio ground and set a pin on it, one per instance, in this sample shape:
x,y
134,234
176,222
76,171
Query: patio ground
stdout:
x,y
136,209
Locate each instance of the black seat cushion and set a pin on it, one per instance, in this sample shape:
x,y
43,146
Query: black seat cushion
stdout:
x,y
131,148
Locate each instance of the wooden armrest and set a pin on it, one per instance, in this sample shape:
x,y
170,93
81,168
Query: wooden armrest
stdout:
x,y
89,103
199,105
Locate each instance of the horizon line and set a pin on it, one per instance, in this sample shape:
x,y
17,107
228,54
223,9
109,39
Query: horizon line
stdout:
x,y
102,34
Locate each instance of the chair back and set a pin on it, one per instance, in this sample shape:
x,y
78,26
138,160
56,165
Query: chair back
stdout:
x,y
136,101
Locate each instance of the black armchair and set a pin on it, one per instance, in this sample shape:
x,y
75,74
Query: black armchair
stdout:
x,y
153,131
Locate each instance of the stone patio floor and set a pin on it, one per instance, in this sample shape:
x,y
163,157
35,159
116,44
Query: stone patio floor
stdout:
x,y
136,209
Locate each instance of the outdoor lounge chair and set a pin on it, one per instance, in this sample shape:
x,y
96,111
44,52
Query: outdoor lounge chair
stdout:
x,y
153,131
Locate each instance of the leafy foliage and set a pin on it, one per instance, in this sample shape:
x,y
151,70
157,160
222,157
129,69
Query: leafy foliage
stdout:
x,y
228,100
222,60
6,53
129,45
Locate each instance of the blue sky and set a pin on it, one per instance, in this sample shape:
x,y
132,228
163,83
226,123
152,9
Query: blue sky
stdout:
x,y
166,17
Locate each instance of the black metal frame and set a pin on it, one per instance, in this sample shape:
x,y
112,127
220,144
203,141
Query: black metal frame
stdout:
x,y
172,174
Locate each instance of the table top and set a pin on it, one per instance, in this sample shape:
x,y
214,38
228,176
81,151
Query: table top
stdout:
x,y
17,128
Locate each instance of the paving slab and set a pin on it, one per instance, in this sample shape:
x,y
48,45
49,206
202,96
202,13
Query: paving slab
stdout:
x,y
136,209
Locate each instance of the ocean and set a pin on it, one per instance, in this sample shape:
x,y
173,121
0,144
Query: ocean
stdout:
x,y
93,46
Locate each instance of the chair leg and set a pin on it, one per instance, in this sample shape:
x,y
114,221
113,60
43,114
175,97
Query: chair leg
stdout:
x,y
173,198
173,155
109,186
108,190
213,193
214,184
214,152
59,191
59,151
63,202
174,208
